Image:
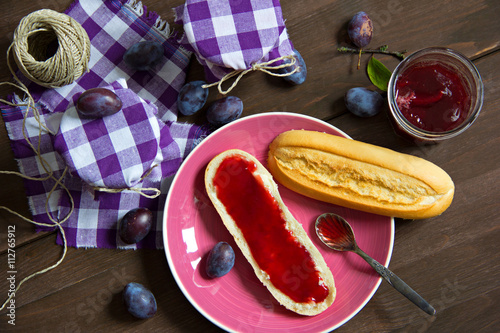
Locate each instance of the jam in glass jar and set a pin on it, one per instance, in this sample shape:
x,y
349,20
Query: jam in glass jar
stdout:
x,y
434,94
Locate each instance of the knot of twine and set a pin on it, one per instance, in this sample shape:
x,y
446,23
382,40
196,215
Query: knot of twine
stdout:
x,y
141,190
263,67
51,48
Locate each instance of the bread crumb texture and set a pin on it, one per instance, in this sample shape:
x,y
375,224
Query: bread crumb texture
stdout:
x,y
346,176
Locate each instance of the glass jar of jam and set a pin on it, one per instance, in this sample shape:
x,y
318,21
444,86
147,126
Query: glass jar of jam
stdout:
x,y
434,94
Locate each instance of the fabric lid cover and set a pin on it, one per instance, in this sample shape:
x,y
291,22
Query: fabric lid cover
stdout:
x,y
115,151
233,35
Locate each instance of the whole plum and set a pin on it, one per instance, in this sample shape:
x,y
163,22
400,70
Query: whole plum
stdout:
x,y
360,29
144,56
192,97
300,75
363,102
220,260
224,110
98,103
135,225
139,300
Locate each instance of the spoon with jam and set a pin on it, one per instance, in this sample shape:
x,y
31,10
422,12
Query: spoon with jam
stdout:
x,y
334,231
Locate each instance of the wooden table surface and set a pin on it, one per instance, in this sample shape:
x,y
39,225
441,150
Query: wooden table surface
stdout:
x,y
452,259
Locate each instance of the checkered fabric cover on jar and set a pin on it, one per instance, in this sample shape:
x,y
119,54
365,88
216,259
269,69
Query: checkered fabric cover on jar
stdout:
x,y
115,151
233,35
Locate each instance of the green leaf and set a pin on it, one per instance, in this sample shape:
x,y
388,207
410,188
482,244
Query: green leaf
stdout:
x,y
378,74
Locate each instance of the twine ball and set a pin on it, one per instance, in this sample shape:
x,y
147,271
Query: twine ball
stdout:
x,y
51,48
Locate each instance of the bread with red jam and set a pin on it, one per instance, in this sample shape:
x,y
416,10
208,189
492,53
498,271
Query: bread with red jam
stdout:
x,y
275,244
359,175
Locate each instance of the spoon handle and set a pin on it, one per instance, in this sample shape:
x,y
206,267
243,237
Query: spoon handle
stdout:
x,y
397,283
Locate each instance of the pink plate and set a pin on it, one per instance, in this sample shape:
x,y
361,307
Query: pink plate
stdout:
x,y
238,301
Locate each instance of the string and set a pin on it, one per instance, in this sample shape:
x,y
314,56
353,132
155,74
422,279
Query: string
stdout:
x,y
263,67
56,223
68,63
38,35
30,105
141,190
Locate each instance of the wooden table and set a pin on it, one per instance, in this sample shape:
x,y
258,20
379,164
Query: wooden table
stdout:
x,y
452,259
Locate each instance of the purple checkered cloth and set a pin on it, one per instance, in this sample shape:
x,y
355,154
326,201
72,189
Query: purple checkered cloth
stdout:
x,y
233,35
115,151
113,26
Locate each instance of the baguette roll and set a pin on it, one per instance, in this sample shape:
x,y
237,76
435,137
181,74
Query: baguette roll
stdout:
x,y
358,175
251,208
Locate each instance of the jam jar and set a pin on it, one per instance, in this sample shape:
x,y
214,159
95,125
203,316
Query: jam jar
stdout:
x,y
434,94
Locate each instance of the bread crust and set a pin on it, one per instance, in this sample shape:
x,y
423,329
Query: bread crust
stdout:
x,y
309,309
359,175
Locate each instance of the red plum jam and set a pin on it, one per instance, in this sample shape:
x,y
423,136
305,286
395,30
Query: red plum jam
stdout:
x,y
434,94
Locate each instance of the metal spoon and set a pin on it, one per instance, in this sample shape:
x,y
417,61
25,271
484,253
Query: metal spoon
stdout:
x,y
334,231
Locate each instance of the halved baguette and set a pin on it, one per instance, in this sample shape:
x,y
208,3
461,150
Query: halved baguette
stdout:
x,y
264,178
358,175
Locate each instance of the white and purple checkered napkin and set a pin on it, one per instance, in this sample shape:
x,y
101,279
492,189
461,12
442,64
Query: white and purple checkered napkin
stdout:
x,y
115,151
233,35
113,26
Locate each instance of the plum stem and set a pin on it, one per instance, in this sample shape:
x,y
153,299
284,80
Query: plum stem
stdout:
x,y
382,49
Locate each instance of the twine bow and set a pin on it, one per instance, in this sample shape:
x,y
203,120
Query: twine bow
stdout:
x,y
140,190
263,67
